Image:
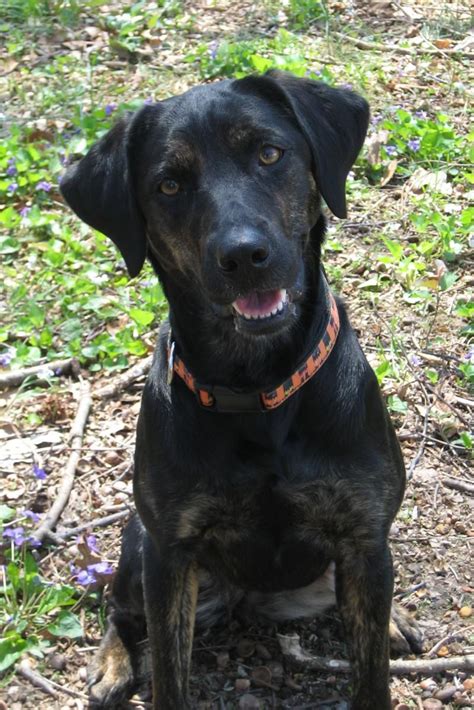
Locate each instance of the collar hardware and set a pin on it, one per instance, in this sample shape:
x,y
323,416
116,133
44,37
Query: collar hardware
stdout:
x,y
217,398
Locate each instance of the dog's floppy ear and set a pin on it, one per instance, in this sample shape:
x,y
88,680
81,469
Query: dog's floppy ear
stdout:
x,y
334,122
99,188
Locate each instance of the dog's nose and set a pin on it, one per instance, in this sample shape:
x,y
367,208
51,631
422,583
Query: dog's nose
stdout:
x,y
247,251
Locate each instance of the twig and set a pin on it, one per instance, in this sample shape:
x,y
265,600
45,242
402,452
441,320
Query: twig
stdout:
x,y
36,679
447,639
77,432
125,380
458,485
414,51
416,459
95,523
449,405
58,367
290,646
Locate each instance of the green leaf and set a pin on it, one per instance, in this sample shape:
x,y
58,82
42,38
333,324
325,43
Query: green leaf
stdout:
x,y
6,513
66,624
395,404
11,648
141,317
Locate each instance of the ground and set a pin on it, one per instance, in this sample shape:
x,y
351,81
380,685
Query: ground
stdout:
x,y
401,261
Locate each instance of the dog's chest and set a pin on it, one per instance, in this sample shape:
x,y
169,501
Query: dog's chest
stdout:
x,y
267,533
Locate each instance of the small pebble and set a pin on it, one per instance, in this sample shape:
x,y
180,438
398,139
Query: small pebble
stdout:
x,y
245,648
401,706
82,673
263,652
446,693
428,684
468,684
249,702
465,612
242,684
432,704
222,659
57,661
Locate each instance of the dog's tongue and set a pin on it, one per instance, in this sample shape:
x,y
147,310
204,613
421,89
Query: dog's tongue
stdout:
x,y
259,304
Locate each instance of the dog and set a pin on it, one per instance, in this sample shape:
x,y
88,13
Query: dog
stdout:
x,y
267,471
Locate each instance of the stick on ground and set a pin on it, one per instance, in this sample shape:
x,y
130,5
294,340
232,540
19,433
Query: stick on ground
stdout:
x,y
77,432
125,380
291,648
58,367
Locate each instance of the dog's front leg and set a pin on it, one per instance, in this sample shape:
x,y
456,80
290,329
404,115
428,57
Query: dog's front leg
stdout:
x,y
171,589
364,588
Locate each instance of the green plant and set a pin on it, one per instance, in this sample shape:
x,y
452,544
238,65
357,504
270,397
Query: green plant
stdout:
x,y
32,610
302,13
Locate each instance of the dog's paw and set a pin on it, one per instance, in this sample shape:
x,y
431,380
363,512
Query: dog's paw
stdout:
x,y
110,675
405,634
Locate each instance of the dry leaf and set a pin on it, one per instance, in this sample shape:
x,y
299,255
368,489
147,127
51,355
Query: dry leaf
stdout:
x,y
389,173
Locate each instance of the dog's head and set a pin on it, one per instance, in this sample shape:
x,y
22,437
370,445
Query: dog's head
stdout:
x,y
221,188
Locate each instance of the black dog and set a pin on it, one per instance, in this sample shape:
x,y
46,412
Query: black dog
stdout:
x,y
267,471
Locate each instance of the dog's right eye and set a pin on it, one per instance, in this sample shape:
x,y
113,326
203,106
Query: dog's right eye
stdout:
x,y
169,187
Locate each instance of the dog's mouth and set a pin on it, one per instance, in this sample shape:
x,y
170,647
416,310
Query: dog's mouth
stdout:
x,y
262,311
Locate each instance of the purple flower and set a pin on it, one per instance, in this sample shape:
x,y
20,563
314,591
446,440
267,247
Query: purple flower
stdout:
x,y
39,472
469,356
13,187
16,535
91,541
33,542
100,568
44,185
149,100
414,144
421,114
31,515
415,360
213,47
109,109
11,170
376,118
347,86
390,149
5,358
85,578
25,211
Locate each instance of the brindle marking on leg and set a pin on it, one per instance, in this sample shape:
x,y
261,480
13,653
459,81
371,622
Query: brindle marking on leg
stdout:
x,y
405,634
110,674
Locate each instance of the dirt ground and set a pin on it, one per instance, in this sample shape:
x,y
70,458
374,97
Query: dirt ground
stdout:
x,y
237,666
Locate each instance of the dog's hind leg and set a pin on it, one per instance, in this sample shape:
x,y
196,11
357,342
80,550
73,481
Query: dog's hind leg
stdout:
x,y
112,672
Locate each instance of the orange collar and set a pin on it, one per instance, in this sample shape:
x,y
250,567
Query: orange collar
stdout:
x,y
217,398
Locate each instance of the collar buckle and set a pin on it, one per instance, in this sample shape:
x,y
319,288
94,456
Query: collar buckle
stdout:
x,y
231,401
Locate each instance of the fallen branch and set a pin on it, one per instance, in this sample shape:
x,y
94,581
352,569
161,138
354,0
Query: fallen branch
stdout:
x,y
410,51
290,646
75,437
41,372
421,449
458,485
125,380
36,679
95,523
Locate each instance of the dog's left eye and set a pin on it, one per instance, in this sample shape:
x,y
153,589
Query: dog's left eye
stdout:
x,y
269,155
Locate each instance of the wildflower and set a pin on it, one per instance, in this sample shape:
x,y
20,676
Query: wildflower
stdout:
x,y
347,86
421,114
91,541
85,578
100,568
12,187
109,109
415,360
24,212
39,472
45,373
11,170
390,149
16,535
213,47
376,118
414,144
44,185
148,101
31,515
6,357
469,356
